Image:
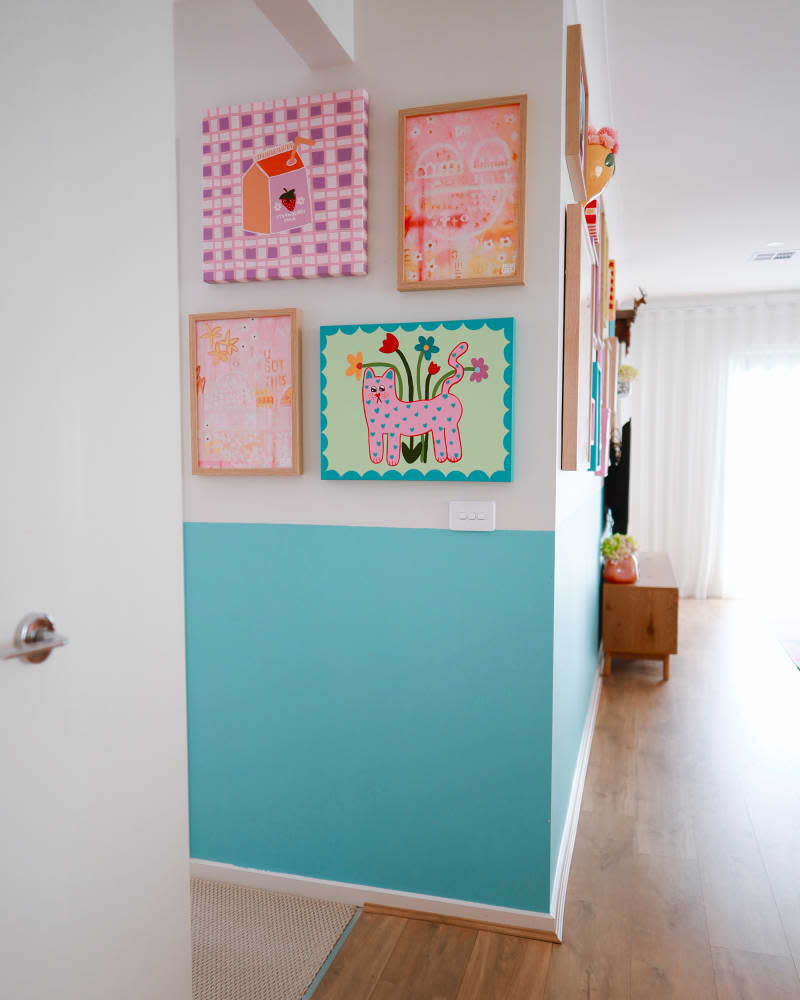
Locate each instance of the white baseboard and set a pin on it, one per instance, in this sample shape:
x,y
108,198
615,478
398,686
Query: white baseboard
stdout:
x,y
358,895
558,898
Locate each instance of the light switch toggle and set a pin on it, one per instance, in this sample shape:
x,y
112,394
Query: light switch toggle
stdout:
x,y
472,515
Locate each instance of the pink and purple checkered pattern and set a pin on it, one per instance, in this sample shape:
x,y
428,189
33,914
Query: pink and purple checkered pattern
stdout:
x,y
336,241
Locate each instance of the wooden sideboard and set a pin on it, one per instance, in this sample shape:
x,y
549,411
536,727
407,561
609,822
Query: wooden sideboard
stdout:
x,y
640,620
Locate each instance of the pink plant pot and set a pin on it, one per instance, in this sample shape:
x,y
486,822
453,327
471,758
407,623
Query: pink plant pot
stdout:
x,y
625,570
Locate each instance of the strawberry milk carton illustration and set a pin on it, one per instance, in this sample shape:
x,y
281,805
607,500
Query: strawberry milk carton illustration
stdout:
x,y
275,191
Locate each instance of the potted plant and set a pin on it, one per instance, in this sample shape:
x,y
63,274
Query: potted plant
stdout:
x,y
619,552
626,375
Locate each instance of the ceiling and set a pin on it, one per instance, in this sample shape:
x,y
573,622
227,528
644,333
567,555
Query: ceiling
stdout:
x,y
706,99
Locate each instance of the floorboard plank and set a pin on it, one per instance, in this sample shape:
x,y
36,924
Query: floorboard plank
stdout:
x,y
744,975
670,953
491,968
505,968
774,810
531,977
610,779
428,963
361,959
594,959
740,907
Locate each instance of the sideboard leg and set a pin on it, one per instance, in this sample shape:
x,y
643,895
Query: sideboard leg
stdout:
x,y
607,665
666,667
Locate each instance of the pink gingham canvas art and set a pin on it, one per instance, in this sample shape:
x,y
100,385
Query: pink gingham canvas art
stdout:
x,y
294,170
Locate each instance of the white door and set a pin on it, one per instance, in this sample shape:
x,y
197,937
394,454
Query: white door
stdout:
x,y
93,803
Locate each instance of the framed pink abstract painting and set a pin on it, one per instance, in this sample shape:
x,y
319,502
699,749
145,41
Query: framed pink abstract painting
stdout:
x,y
578,414
461,199
245,391
285,188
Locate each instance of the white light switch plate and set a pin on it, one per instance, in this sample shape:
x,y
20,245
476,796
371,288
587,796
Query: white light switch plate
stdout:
x,y
472,515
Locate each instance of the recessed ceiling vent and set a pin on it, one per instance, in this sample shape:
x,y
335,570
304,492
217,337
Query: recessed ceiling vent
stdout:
x,y
774,254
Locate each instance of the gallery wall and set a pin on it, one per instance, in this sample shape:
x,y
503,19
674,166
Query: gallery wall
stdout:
x,y
579,495
334,731
230,53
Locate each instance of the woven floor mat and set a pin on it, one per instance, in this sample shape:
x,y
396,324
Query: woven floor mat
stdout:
x,y
250,944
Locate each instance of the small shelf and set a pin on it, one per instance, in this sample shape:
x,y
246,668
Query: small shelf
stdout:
x,y
640,620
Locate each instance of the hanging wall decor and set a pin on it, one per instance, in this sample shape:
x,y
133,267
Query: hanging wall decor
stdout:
x,y
285,188
608,376
602,147
417,400
612,369
612,291
594,213
577,113
577,420
597,408
461,204
606,275
245,392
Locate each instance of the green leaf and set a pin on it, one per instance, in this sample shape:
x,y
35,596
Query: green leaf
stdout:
x,y
412,452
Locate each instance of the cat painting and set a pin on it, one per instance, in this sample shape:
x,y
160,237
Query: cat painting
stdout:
x,y
390,419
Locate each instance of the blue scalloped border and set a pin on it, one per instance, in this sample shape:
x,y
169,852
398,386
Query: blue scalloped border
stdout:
x,y
505,324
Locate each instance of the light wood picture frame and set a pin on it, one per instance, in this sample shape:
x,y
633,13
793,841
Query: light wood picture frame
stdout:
x,y
599,331
577,113
578,354
612,367
461,194
245,391
606,276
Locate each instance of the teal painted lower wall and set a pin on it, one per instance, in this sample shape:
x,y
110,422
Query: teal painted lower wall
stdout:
x,y
575,647
373,705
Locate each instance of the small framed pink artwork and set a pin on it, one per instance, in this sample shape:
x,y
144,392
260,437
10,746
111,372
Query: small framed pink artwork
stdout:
x,y
461,197
245,392
285,188
578,413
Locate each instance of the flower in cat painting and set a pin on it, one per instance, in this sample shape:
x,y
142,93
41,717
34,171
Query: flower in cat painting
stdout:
x,y
354,364
481,370
433,368
427,346
390,345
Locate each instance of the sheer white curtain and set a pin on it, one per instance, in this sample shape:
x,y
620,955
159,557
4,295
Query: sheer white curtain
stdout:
x,y
688,355
761,536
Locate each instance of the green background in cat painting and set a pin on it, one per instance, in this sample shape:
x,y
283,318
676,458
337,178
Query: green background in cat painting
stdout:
x,y
481,425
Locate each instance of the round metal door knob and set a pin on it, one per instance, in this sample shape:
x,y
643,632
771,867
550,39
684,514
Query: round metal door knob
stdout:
x,y
34,640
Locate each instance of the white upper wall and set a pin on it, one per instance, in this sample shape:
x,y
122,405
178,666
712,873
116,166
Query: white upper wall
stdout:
x,y
707,102
408,54
573,489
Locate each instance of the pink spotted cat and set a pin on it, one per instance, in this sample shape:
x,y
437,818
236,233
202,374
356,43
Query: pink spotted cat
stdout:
x,y
391,419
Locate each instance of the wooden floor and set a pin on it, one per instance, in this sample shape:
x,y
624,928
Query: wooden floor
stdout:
x,y
685,880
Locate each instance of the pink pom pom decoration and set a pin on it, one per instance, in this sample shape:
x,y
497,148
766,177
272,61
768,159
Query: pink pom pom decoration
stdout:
x,y
605,136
